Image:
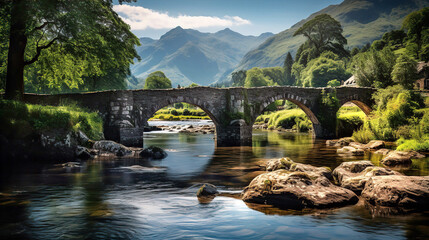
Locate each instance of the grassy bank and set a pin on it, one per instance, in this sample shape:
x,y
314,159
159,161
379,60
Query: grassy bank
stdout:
x,y
19,120
177,114
349,119
400,115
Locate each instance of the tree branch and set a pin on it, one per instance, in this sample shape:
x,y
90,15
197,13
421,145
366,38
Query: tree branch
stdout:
x,y
42,26
39,50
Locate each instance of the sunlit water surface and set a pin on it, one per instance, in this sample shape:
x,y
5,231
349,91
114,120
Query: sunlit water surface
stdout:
x,y
104,199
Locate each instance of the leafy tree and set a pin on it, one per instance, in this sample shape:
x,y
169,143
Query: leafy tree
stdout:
x,y
157,80
238,78
88,33
288,69
373,68
255,78
334,83
405,72
274,75
324,33
193,85
323,69
394,37
416,24
354,51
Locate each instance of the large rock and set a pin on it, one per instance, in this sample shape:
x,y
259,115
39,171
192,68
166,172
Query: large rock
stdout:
x,y
112,147
296,190
288,164
339,142
375,144
153,152
207,190
354,175
383,151
400,158
411,192
83,153
351,150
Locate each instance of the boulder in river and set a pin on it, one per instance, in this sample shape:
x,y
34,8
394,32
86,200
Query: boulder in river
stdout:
x,y
411,192
400,158
153,152
354,175
296,190
351,150
339,142
83,153
112,147
383,151
288,164
207,190
375,144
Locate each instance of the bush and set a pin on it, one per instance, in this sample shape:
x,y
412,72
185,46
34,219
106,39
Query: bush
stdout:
x,y
186,112
412,145
349,122
38,118
363,135
174,112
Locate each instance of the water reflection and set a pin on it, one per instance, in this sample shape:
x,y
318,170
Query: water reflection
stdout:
x,y
136,198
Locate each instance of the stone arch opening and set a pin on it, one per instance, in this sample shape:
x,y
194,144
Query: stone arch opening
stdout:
x,y
350,117
295,100
154,110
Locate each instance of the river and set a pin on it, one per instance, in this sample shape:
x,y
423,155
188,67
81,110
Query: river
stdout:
x,y
104,199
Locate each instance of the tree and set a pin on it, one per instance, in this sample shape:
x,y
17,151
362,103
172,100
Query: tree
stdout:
x,y
157,80
374,68
405,72
416,24
238,78
322,70
288,69
193,85
324,33
255,78
89,32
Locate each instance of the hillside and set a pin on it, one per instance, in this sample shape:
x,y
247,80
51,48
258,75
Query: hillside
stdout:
x,y
187,56
363,21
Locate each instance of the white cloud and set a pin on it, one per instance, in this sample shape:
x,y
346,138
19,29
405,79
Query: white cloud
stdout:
x,y
140,18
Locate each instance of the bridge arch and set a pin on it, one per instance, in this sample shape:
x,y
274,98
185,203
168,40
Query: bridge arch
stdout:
x,y
297,100
185,99
363,106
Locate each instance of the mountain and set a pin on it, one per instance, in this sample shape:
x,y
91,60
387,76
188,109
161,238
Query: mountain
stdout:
x,y
363,21
187,56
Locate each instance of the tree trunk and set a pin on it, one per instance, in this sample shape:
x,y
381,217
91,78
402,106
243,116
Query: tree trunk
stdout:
x,y
17,44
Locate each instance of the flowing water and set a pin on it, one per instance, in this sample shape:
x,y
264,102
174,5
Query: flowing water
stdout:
x,y
106,199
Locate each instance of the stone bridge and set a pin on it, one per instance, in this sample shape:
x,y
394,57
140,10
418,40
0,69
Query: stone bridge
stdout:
x,y
233,110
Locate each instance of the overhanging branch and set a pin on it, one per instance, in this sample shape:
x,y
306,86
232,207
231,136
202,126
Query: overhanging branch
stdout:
x,y
39,50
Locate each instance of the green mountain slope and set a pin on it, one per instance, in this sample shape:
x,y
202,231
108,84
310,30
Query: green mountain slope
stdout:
x,y
187,56
363,21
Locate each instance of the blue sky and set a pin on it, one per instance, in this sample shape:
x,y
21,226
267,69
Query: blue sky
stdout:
x,y
153,18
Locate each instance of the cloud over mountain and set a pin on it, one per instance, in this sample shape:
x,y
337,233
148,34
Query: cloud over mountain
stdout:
x,y
140,18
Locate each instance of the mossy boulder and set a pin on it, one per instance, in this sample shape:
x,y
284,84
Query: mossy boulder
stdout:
x,y
296,190
207,190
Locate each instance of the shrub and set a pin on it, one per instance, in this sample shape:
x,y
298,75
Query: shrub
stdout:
x,y
186,112
412,145
174,112
363,135
349,122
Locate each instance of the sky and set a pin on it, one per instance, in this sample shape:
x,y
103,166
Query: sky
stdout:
x,y
153,18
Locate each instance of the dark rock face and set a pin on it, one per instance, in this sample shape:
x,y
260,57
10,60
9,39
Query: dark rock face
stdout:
x,y
112,147
400,158
83,153
296,190
354,175
411,192
153,152
207,190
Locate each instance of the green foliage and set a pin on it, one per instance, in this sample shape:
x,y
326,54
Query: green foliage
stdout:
x,y
288,119
71,45
412,145
363,135
157,80
287,66
373,68
255,78
324,33
349,122
193,85
334,83
238,78
416,24
38,119
404,72
323,69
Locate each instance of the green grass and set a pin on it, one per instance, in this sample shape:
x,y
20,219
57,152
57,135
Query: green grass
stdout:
x,y
412,145
176,114
20,120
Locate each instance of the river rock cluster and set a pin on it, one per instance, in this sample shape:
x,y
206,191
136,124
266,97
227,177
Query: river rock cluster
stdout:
x,y
204,129
291,185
